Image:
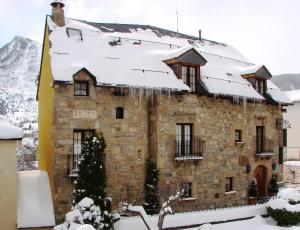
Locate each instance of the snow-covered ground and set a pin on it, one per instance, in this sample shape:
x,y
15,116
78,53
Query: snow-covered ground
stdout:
x,y
256,223
193,218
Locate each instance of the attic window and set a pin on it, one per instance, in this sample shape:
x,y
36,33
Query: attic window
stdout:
x,y
74,34
229,75
81,88
260,86
188,75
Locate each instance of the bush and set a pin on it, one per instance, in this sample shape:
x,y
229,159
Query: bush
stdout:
x,y
284,217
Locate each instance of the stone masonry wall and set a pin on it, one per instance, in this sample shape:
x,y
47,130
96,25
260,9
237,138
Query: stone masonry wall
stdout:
x,y
149,129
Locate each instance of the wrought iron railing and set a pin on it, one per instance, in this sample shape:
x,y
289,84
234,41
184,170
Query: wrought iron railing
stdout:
x,y
189,148
264,146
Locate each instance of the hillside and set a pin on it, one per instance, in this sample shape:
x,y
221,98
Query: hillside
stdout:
x,y
287,82
19,66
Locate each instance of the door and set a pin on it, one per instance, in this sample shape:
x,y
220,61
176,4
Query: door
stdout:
x,y
260,175
183,140
259,139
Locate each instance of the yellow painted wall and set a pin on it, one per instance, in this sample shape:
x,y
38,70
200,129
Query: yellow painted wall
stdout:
x,y
8,188
45,113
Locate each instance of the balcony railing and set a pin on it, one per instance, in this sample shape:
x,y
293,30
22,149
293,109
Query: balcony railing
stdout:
x,y
189,149
264,147
72,163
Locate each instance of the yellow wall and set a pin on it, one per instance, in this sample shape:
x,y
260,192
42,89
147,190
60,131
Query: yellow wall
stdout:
x,y
45,113
8,188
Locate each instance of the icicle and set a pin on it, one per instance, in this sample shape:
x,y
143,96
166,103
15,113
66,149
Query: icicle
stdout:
x,y
245,103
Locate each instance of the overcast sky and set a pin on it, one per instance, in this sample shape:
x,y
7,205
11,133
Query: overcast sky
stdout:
x,y
264,31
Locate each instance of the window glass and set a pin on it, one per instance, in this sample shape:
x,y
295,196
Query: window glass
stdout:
x,y
184,74
119,113
238,135
229,184
81,88
187,190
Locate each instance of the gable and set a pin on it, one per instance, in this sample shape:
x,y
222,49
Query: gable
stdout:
x,y
263,73
192,57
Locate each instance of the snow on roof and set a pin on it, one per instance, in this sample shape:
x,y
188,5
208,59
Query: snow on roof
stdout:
x,y
276,94
8,131
34,200
293,95
251,69
133,55
178,52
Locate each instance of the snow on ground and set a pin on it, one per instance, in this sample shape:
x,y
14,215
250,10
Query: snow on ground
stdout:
x,y
34,202
193,218
8,131
256,223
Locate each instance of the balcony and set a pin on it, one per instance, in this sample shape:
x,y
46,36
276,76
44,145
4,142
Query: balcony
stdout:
x,y
264,148
189,150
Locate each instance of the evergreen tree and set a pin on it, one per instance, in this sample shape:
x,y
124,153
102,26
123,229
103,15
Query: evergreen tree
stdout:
x,y
253,188
151,204
273,187
91,180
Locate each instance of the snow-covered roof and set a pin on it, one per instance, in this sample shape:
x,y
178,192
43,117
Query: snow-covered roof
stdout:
x,y
276,94
132,56
293,95
251,69
34,202
8,131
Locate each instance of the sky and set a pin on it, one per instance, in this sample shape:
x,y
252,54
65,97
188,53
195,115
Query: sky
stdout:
x,y
264,31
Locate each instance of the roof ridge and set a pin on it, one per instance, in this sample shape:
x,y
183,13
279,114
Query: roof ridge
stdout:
x,y
188,36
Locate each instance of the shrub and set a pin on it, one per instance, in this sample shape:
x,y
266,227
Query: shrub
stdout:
x,y
284,217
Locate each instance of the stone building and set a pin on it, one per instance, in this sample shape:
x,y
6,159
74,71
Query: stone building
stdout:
x,y
198,108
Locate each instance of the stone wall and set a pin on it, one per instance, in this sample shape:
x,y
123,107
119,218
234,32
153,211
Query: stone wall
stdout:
x,y
149,129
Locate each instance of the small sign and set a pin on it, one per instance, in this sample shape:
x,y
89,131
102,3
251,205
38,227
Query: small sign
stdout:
x,y
85,114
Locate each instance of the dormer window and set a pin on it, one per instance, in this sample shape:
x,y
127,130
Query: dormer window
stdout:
x,y
260,86
74,34
81,88
188,75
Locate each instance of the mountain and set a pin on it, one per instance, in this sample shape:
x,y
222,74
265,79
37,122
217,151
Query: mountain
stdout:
x,y
19,67
287,82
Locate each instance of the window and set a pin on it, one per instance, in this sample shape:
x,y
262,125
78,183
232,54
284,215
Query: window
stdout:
x,y
183,140
189,76
79,136
260,86
74,34
81,88
229,184
119,113
259,139
238,135
187,190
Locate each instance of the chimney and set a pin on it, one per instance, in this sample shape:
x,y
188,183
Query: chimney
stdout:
x,y
200,37
58,16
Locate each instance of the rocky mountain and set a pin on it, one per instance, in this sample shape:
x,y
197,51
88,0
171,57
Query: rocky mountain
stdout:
x,y
19,67
287,82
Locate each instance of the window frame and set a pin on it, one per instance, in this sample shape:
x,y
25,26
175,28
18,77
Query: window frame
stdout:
x,y
86,83
68,32
188,75
229,184
238,136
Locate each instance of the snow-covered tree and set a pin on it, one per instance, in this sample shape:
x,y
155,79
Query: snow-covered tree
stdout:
x,y
151,204
91,180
